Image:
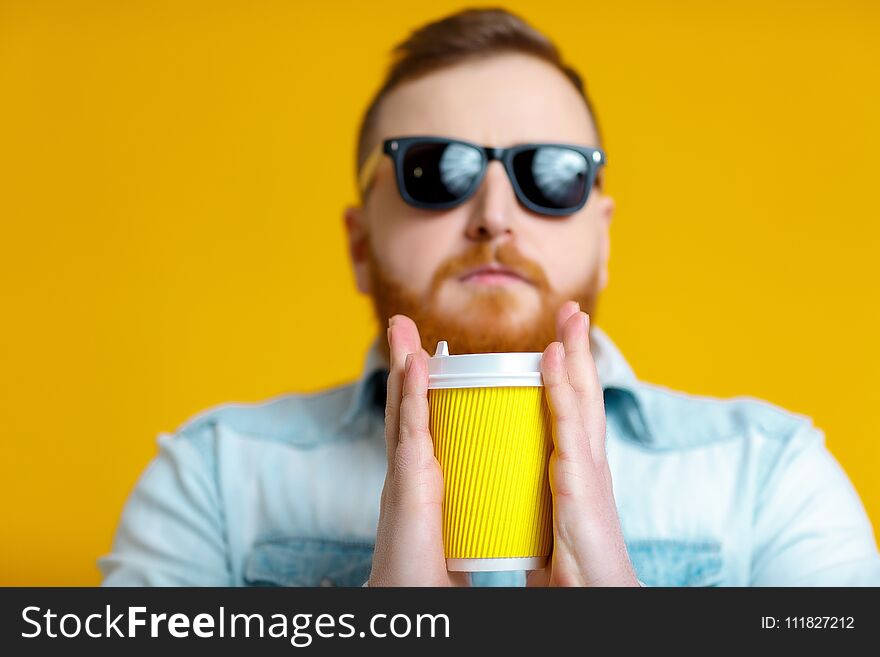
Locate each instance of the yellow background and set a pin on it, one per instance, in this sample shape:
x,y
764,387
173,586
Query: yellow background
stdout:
x,y
172,178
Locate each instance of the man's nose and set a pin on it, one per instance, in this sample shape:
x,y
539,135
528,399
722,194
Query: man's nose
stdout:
x,y
494,206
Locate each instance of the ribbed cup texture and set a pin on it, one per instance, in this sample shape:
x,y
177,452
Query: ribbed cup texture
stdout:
x,y
493,445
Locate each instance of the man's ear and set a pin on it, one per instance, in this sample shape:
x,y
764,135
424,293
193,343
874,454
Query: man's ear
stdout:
x,y
606,212
358,243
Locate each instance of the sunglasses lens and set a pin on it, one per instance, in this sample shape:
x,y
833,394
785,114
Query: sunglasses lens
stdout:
x,y
552,177
440,173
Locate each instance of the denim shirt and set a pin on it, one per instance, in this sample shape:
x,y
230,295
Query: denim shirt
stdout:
x,y
285,492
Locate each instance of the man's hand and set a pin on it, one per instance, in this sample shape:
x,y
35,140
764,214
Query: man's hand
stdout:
x,y
588,545
409,538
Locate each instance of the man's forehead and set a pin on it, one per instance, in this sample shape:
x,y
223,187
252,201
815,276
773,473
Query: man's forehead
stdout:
x,y
498,101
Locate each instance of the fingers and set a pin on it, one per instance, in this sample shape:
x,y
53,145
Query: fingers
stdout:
x,y
565,311
584,379
403,339
578,359
570,440
415,446
409,535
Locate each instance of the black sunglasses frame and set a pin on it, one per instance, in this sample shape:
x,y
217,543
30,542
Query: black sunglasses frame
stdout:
x,y
397,147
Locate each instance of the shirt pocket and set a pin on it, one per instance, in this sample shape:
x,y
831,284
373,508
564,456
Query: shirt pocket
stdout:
x,y
294,561
669,562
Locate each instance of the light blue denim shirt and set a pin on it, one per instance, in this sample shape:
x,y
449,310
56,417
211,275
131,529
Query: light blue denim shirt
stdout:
x,y
731,492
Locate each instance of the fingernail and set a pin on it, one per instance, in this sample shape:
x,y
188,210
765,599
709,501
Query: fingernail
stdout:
x,y
586,321
390,322
562,350
409,359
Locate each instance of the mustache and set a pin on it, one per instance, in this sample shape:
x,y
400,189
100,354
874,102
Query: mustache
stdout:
x,y
483,254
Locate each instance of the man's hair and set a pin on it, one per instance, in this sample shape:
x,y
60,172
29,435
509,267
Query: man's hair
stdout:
x,y
467,35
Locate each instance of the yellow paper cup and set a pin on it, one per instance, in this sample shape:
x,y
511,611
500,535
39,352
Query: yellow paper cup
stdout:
x,y
492,436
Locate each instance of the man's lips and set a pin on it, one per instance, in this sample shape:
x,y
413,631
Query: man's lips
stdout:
x,y
492,275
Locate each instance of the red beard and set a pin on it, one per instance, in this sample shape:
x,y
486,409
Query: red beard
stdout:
x,y
487,325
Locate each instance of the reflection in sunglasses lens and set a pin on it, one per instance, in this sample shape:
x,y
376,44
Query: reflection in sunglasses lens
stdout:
x,y
439,172
551,176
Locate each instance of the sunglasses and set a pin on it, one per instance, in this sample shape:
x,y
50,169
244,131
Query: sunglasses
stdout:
x,y
435,173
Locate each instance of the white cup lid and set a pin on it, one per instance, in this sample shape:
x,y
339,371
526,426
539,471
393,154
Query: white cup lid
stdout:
x,y
483,370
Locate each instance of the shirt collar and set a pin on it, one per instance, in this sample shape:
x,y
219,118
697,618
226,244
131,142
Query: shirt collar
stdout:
x,y
618,380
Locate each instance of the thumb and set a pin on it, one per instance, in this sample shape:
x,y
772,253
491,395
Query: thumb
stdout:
x,y
415,448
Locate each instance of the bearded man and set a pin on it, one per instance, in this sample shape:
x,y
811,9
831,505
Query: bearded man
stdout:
x,y
484,222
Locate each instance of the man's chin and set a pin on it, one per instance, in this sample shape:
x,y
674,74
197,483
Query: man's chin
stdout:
x,y
481,330
475,339
502,304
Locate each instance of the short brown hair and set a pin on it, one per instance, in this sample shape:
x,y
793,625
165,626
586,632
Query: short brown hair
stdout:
x,y
468,34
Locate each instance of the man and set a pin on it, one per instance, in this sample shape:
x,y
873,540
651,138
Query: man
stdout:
x,y
484,223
